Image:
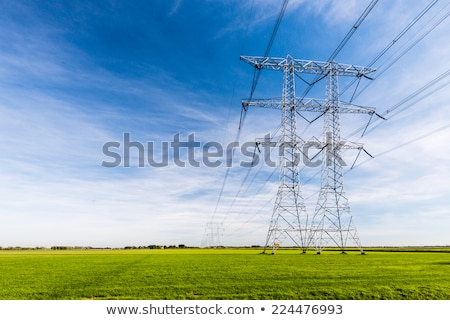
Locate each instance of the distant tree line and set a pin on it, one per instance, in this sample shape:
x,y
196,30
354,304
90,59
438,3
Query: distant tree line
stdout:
x,y
157,246
23,248
72,248
152,246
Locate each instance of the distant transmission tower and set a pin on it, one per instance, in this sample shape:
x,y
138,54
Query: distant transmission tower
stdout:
x,y
289,218
214,233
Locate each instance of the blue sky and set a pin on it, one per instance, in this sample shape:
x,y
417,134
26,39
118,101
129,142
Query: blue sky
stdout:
x,y
77,74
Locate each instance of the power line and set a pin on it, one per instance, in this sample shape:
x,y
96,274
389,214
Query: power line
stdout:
x,y
257,71
403,32
353,29
241,186
265,204
404,144
228,118
395,107
255,158
256,76
392,43
408,106
343,43
405,100
258,192
404,52
333,55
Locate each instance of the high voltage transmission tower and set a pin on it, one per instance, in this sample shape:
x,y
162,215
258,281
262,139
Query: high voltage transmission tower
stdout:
x,y
213,235
289,218
332,219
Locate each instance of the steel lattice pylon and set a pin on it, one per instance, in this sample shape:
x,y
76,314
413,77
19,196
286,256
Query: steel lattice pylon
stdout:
x,y
289,217
332,220
289,209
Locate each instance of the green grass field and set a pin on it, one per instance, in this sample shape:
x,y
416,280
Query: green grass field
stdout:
x,y
223,274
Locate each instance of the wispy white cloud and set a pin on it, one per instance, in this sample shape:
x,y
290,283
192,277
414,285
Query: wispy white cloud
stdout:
x,y
176,5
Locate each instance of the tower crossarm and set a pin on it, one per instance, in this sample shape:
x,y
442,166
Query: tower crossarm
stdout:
x,y
351,108
300,104
307,66
345,144
306,104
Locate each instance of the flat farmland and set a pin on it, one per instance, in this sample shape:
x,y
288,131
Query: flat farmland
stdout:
x,y
224,274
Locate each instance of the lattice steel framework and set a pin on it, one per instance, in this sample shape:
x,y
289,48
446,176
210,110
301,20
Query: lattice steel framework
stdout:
x,y
214,233
289,216
332,219
332,222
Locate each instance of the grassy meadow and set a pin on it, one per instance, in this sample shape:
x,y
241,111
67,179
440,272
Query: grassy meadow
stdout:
x,y
223,274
